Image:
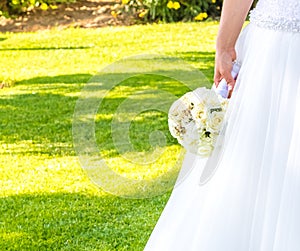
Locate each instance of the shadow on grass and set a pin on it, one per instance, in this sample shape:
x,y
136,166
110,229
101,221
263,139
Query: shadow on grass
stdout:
x,y
44,119
44,115
207,60
2,38
45,48
65,221
41,114
60,79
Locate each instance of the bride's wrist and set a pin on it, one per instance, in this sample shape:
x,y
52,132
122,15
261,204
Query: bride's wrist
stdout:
x,y
226,53
221,49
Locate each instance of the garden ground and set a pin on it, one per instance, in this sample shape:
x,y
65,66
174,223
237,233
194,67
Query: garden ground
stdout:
x,y
82,13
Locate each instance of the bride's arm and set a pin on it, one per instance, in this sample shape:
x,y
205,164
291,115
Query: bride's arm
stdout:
x,y
233,15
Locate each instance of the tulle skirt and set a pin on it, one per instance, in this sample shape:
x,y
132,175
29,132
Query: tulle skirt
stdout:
x,y
252,202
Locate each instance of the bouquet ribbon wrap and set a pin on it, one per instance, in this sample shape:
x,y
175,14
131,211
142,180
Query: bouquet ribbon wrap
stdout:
x,y
222,88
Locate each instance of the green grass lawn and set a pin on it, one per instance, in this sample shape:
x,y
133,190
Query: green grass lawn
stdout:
x,y
47,202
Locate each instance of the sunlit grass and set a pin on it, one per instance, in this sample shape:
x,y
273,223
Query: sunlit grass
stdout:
x,y
47,202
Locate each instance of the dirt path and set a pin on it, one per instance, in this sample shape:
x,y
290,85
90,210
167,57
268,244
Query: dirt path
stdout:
x,y
83,13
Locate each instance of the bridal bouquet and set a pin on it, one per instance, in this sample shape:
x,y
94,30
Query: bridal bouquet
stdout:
x,y
195,119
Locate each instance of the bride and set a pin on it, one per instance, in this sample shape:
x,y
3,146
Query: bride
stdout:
x,y
251,200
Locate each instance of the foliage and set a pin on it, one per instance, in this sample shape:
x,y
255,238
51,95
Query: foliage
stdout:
x,y
10,7
172,11
46,200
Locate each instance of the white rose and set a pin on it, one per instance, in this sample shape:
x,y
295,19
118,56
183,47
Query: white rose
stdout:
x,y
205,149
189,100
215,120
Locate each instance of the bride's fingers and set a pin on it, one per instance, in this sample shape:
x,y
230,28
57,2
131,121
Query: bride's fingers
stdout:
x,y
217,79
230,88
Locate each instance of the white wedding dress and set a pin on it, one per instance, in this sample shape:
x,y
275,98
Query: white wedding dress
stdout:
x,y
252,200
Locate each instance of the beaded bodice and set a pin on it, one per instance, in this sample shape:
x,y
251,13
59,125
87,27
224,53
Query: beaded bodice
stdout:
x,y
277,15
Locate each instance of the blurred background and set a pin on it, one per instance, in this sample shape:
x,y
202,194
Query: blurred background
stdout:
x,y
30,15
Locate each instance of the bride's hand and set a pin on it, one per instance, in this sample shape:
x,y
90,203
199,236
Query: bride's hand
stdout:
x,y
223,67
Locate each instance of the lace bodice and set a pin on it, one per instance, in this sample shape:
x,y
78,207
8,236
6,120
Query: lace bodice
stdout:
x,y
277,15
